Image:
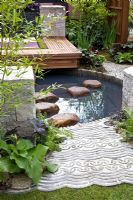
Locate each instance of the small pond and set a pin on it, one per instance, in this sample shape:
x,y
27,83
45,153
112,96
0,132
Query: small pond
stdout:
x,y
98,104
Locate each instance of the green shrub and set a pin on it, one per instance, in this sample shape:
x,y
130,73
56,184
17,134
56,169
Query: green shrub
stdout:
x,y
23,156
125,57
89,18
97,60
124,125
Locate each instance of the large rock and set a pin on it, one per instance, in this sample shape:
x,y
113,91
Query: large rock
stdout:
x,y
77,91
92,84
49,108
50,97
64,119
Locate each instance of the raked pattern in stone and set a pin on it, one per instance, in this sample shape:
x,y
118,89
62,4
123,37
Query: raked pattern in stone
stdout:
x,y
95,155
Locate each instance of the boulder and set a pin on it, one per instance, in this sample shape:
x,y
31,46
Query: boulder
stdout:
x,y
64,119
49,108
92,84
77,91
50,97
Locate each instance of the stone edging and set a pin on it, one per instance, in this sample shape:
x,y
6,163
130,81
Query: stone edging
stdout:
x,y
102,75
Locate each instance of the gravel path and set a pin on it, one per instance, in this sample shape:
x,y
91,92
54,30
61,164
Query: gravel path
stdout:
x,y
115,70
95,155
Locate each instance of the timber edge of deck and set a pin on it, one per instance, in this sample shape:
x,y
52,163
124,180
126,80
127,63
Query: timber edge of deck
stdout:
x,y
59,53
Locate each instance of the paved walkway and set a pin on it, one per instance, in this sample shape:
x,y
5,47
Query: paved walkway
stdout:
x,y
115,70
95,155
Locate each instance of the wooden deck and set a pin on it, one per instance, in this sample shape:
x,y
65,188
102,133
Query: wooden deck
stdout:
x,y
59,53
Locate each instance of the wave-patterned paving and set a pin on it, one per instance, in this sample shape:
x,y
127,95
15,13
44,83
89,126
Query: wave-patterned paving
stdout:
x,y
95,155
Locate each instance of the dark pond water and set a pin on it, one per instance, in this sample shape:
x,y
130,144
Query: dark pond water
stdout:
x,y
98,104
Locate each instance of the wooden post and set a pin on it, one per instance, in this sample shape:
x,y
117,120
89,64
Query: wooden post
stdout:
x,y
121,8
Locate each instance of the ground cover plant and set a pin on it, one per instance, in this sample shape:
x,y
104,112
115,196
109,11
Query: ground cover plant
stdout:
x,y
124,124
122,53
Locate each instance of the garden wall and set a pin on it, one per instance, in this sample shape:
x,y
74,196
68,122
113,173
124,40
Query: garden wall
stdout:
x,y
19,118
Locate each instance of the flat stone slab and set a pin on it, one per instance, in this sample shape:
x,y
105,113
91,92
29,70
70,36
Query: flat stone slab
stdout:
x,y
77,91
64,119
92,84
95,155
50,97
49,108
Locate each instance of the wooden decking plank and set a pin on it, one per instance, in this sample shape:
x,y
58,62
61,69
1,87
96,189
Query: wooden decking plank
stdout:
x,y
60,53
60,44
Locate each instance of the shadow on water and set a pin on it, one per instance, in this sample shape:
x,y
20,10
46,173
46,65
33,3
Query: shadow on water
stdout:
x,y
98,104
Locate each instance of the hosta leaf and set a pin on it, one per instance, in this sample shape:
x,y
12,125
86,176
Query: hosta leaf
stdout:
x,y
4,146
23,154
7,165
35,170
39,151
51,167
24,144
22,162
32,166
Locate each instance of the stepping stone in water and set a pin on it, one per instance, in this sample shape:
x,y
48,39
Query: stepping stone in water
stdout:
x,y
64,119
92,84
50,97
77,91
49,108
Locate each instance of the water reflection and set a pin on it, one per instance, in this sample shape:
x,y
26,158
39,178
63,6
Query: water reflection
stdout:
x,y
88,108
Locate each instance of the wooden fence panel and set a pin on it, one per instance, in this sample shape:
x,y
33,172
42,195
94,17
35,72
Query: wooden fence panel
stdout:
x,y
121,8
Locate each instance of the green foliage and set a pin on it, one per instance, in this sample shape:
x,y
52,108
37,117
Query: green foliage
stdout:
x,y
78,34
88,20
125,57
92,58
110,36
55,136
51,88
131,14
97,60
125,125
24,156
122,53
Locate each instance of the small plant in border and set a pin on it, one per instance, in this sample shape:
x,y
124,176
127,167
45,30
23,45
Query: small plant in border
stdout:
x,y
124,124
124,57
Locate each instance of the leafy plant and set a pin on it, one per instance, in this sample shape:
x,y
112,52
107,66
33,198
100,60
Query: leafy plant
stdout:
x,y
51,88
54,135
125,125
125,57
97,60
110,36
87,19
92,58
131,15
23,156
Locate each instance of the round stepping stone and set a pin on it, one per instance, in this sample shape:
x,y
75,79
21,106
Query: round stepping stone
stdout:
x,y
64,119
92,84
76,91
50,97
49,108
